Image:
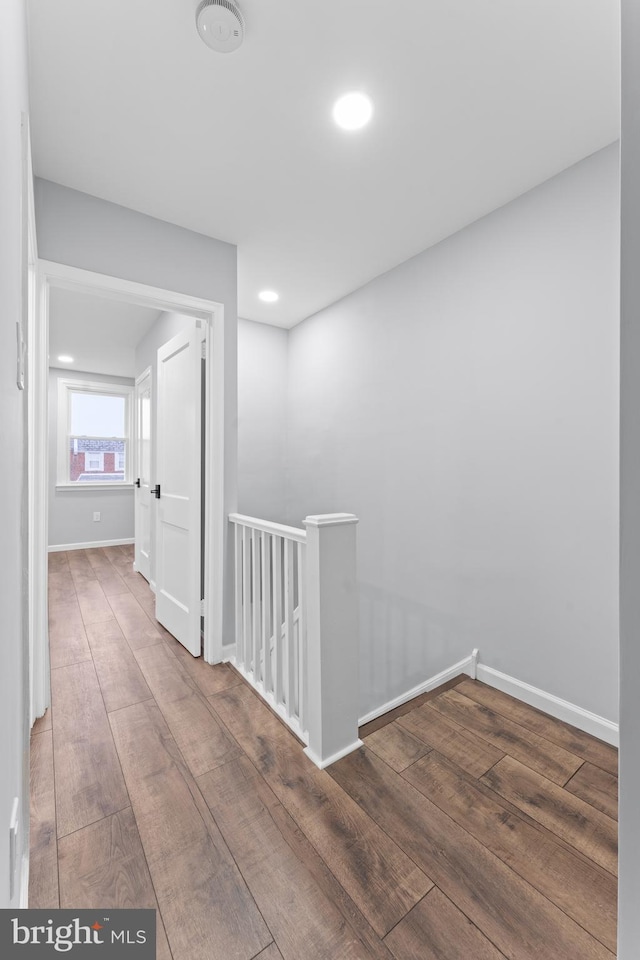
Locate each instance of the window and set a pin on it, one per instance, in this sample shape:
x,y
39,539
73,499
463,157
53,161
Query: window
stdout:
x,y
94,461
94,433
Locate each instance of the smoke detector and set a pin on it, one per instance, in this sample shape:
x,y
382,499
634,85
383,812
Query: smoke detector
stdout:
x,y
220,24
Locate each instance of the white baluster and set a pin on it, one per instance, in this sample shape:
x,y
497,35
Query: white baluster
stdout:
x,y
277,618
255,609
266,611
246,598
290,677
302,638
237,536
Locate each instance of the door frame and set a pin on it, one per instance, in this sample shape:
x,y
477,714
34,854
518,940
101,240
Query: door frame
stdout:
x,y
36,543
146,374
51,274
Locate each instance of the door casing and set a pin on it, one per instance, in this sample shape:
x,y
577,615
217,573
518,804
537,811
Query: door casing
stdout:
x,y
142,494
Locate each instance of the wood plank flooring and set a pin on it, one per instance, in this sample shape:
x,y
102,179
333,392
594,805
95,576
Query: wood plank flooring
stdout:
x,y
469,827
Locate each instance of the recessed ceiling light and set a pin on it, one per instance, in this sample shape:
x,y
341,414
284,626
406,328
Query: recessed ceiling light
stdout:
x,y
268,296
352,111
65,358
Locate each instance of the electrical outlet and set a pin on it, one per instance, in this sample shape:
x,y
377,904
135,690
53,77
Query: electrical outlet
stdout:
x,y
96,515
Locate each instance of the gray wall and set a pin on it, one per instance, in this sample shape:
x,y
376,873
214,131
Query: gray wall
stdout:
x,y
14,742
629,819
262,409
86,232
465,407
71,511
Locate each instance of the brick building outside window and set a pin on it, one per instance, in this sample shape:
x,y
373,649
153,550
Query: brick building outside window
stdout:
x,y
96,460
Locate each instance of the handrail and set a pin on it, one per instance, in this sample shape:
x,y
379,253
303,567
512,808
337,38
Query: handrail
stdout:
x,y
297,626
268,526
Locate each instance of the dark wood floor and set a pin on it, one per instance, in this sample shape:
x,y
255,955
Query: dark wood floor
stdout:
x,y
469,826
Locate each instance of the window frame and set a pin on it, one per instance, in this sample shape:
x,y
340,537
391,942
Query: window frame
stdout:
x,y
68,386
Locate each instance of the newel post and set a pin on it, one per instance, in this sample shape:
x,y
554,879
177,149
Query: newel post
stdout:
x,y
332,637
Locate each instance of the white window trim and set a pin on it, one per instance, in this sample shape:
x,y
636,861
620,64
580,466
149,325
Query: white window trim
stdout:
x,y
65,388
94,485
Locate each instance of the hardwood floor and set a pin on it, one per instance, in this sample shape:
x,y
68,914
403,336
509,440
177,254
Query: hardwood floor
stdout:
x,y
469,827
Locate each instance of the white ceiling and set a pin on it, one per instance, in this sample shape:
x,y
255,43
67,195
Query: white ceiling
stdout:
x,y
101,335
476,101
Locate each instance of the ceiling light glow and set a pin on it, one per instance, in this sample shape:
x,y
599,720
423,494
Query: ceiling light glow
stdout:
x,y
268,296
352,111
65,358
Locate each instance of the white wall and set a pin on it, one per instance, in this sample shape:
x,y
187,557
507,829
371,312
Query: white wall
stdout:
x,y
465,407
86,232
14,741
71,511
629,821
262,409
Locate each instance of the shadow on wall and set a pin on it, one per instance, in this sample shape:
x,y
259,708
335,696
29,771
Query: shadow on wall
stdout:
x,y
403,643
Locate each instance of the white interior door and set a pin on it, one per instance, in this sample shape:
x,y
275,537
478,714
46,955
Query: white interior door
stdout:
x,y
142,559
178,506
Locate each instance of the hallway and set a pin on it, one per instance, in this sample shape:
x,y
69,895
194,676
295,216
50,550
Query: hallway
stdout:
x,y
470,825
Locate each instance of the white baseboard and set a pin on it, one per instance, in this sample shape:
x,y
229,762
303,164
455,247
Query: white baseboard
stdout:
x,y
57,547
467,666
591,723
323,764
578,717
228,655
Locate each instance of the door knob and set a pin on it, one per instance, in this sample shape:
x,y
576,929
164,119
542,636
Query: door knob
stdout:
x,y
156,491
137,483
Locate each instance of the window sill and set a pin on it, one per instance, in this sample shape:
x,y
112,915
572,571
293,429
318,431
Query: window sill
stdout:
x,y
94,486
